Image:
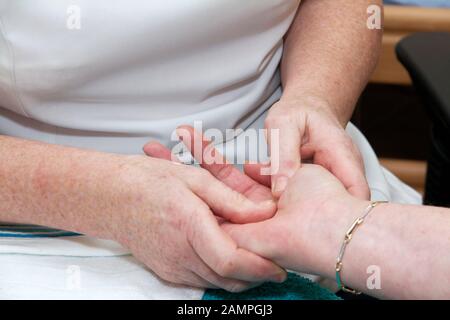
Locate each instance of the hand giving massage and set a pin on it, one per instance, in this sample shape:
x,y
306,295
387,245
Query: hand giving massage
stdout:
x,y
84,194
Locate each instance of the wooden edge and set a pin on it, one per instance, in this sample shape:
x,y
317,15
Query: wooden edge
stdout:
x,y
416,19
412,172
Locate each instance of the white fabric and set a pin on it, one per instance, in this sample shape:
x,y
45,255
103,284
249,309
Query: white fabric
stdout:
x,y
64,277
136,69
133,72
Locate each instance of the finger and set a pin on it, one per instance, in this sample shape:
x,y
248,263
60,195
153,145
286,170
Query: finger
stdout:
x,y
348,168
225,202
157,150
216,281
230,285
254,171
222,255
253,237
354,179
213,161
284,138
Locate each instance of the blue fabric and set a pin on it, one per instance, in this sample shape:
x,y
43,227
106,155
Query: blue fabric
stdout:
x,y
422,3
294,288
31,231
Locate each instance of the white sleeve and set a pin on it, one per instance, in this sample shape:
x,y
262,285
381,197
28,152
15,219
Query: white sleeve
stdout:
x,y
9,98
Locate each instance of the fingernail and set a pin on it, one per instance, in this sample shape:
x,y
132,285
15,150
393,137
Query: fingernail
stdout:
x,y
280,277
280,185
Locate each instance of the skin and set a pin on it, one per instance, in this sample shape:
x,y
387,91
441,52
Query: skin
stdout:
x,y
323,72
409,244
172,229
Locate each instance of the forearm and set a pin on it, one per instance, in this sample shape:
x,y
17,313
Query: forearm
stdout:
x,y
330,54
409,245
57,186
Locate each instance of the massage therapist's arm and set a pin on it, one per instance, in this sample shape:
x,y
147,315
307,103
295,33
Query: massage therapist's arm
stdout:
x,y
329,55
160,210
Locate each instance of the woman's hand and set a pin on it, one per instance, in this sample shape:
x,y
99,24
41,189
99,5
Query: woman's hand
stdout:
x,y
168,222
308,130
313,214
389,248
190,245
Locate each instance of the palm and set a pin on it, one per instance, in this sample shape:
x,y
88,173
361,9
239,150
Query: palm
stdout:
x,y
311,186
287,237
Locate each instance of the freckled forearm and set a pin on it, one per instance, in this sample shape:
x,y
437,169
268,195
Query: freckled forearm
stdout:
x,y
330,53
57,186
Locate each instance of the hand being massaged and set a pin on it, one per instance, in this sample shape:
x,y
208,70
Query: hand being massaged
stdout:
x,y
305,219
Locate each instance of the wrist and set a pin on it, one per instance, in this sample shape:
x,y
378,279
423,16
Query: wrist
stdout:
x,y
129,191
337,216
315,102
102,195
98,196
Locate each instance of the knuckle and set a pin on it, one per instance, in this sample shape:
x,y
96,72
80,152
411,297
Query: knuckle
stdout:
x,y
198,178
238,199
193,231
226,268
225,172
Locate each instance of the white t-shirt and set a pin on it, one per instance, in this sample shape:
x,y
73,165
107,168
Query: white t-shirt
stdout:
x,y
112,75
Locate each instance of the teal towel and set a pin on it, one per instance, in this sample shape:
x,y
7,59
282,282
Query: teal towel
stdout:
x,y
294,288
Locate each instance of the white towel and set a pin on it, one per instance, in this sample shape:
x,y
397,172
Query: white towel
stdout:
x,y
78,267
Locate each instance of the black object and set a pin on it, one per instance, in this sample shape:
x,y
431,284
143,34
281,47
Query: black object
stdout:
x,y
426,56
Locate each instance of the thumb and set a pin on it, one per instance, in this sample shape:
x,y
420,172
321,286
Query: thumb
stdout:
x,y
256,237
284,139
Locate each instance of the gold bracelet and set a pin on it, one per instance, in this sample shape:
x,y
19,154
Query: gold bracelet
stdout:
x,y
347,238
